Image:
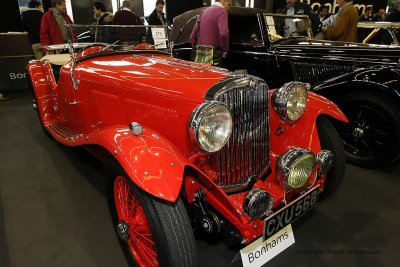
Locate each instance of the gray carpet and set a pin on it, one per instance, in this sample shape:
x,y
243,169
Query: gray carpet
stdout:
x,y
53,210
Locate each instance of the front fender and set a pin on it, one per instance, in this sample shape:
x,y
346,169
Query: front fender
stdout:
x,y
303,133
384,80
43,85
150,160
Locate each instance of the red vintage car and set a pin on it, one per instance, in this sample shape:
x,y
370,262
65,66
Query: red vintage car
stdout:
x,y
189,145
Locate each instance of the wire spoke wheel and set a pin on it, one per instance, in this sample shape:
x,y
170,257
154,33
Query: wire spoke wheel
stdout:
x,y
140,239
152,232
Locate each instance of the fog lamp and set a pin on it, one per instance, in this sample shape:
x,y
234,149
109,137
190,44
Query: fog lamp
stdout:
x,y
295,167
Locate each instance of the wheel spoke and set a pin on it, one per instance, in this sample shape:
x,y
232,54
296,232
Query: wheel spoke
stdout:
x,y
359,116
148,246
144,247
367,146
140,239
374,126
146,257
345,134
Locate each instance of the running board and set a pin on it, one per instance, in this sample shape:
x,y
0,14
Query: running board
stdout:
x,y
63,132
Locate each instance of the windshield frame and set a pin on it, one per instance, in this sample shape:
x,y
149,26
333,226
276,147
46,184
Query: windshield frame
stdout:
x,y
75,47
271,28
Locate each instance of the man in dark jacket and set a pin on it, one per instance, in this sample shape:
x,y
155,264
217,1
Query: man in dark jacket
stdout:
x,y
157,17
294,7
52,29
125,16
102,34
31,20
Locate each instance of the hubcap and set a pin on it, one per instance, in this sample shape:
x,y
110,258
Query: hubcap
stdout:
x,y
358,133
122,230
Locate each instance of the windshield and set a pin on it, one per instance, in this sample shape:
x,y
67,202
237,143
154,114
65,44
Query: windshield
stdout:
x,y
106,38
378,36
285,26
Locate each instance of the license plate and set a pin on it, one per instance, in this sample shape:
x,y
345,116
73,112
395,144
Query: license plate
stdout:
x,y
290,213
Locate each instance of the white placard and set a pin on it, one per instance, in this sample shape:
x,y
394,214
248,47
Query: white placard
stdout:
x,y
160,43
158,33
258,253
270,20
272,29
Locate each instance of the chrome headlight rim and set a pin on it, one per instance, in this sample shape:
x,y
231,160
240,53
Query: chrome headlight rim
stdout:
x,y
288,161
281,100
258,203
196,120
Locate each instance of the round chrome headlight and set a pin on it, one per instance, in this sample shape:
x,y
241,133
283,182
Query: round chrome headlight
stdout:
x,y
211,126
258,203
290,101
295,167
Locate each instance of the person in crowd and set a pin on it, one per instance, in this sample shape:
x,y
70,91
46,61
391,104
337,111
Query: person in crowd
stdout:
x,y
52,29
394,16
125,16
211,29
157,17
102,34
345,25
323,13
381,16
295,7
367,16
31,20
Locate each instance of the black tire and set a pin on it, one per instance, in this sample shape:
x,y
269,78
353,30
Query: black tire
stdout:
x,y
371,138
169,224
330,140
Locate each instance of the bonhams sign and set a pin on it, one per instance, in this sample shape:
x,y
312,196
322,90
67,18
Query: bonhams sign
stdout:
x,y
333,6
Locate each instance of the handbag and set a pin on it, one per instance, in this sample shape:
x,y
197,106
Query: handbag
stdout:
x,y
202,53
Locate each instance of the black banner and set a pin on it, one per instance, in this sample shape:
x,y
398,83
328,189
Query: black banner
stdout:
x,y
13,76
333,6
15,54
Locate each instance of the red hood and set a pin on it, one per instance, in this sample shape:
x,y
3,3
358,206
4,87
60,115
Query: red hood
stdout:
x,y
153,73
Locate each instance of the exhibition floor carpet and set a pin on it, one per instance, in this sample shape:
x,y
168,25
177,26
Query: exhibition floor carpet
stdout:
x,y
53,210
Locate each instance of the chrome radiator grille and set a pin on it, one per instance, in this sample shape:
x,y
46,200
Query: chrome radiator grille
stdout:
x,y
246,154
312,73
